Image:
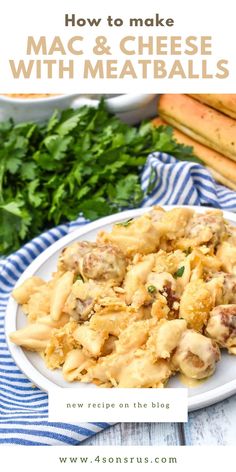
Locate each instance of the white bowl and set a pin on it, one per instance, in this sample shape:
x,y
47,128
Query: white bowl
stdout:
x,y
130,107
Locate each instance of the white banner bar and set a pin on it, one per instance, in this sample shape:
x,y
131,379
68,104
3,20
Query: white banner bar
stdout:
x,y
118,405
125,458
117,47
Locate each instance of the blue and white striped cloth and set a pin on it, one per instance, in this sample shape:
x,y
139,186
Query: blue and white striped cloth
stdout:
x,y
23,409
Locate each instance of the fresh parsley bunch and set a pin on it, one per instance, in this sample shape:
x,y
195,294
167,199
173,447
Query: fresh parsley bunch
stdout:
x,y
83,161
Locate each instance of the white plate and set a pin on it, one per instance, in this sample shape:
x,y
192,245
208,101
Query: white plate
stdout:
x,y
220,386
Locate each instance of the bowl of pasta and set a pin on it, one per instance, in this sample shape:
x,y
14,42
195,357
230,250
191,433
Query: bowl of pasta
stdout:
x,y
142,299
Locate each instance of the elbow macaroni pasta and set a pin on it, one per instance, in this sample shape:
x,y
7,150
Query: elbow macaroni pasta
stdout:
x,y
155,296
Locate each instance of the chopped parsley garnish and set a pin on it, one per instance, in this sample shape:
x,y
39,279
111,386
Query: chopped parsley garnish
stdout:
x,y
179,272
188,251
125,223
151,289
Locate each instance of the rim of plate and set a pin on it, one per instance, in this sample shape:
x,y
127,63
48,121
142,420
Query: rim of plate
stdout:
x,y
195,402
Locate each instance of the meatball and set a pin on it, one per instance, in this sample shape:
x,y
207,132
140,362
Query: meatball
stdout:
x,y
196,355
80,310
223,287
222,326
229,288
104,263
71,256
207,228
98,262
83,297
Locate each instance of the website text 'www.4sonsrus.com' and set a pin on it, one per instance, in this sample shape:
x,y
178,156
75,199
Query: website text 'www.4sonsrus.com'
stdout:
x,y
116,459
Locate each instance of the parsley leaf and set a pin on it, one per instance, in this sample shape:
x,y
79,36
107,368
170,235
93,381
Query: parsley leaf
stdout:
x,y
151,289
179,272
80,162
125,223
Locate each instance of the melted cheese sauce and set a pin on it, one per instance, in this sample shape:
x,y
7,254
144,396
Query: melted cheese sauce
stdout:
x,y
190,383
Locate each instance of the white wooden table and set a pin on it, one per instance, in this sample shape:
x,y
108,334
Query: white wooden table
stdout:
x,y
215,425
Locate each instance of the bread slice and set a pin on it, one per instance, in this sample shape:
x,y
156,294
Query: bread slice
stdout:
x,y
225,102
221,179
200,122
222,168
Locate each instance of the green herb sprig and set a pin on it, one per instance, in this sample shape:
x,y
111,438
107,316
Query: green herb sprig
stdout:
x,y
80,162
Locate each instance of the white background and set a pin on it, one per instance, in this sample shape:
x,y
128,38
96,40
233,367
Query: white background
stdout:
x,y
176,397
189,458
206,17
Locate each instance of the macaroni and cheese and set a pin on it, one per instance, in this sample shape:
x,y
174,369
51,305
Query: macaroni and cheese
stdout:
x,y
153,297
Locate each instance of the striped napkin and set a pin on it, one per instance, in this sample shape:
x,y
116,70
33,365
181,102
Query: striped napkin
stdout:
x,y
23,409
